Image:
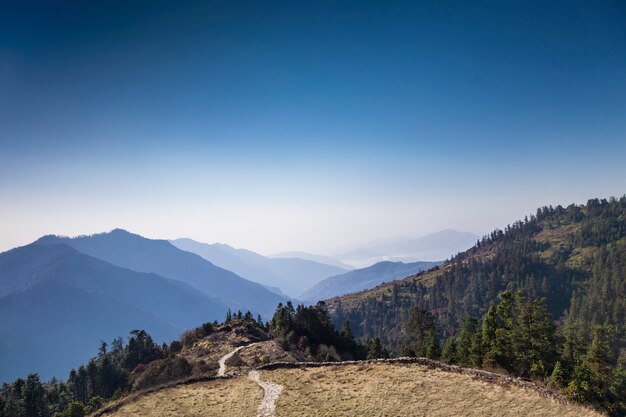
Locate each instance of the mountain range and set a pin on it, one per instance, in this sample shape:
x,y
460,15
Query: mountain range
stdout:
x,y
59,297
323,259
57,304
291,275
138,253
363,279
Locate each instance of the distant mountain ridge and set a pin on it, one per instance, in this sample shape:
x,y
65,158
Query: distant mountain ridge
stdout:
x,y
57,304
433,247
365,278
138,253
291,275
328,260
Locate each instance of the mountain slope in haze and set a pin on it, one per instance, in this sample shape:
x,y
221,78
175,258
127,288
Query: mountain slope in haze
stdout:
x,y
363,279
291,275
137,253
57,304
432,247
312,257
574,257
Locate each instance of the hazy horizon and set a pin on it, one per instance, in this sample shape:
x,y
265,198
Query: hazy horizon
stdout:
x,y
308,126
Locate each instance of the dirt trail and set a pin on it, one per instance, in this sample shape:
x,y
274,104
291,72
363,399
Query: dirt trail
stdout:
x,y
223,359
271,392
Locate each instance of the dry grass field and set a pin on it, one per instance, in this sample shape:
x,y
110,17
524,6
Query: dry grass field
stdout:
x,y
404,390
381,389
235,397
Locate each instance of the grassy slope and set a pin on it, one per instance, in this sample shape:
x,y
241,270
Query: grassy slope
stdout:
x,y
366,389
236,397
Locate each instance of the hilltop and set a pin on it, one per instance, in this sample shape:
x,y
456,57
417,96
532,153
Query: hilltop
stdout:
x,y
399,388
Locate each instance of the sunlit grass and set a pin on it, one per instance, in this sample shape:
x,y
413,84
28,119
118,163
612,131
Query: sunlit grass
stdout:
x,y
404,390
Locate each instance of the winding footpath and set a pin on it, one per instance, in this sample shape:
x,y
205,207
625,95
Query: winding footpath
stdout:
x,y
271,391
223,359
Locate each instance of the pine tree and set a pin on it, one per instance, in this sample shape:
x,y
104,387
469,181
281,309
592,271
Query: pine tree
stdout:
x,y
34,396
449,351
489,327
433,349
346,331
581,386
557,378
376,350
600,357
532,337
103,349
466,338
421,334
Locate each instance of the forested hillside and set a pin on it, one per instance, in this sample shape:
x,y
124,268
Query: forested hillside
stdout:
x,y
560,278
573,257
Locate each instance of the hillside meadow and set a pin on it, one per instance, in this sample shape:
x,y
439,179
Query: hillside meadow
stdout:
x,y
369,389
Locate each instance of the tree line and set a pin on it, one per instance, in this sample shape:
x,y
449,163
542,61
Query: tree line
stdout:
x,y
517,336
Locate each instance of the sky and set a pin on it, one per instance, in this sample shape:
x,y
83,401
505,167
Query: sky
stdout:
x,y
301,125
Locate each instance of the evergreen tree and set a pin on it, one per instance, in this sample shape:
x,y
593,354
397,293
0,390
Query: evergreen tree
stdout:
x,y
581,386
557,378
532,337
376,350
466,349
489,326
103,349
346,331
601,358
449,351
421,335
34,397
433,349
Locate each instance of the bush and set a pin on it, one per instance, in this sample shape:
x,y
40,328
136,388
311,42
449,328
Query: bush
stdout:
x,y
74,409
162,371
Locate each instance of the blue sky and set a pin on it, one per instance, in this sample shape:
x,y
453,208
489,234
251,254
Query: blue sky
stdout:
x,y
305,125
